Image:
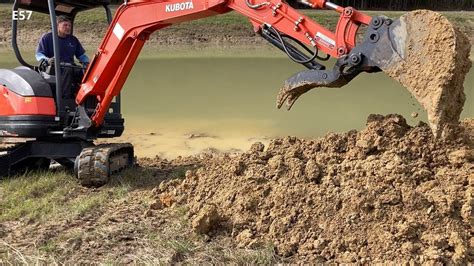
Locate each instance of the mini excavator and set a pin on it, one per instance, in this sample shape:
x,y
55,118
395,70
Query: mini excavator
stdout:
x,y
32,105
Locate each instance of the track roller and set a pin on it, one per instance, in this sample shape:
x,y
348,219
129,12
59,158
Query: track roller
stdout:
x,y
95,165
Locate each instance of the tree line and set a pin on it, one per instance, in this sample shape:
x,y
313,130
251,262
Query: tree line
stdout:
x,y
395,4
382,4
408,4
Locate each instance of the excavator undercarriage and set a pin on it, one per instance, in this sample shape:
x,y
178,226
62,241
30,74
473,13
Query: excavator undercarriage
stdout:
x,y
92,164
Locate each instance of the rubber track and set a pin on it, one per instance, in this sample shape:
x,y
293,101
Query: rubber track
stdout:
x,y
92,165
4,162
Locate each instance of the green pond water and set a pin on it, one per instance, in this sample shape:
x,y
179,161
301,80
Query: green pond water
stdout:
x,y
227,102
245,89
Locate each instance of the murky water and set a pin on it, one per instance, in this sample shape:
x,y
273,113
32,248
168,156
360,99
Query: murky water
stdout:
x,y
182,105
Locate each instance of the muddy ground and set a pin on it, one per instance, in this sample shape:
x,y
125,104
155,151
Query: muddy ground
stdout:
x,y
390,192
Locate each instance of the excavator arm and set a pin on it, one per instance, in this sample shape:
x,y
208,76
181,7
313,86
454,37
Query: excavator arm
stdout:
x,y
276,21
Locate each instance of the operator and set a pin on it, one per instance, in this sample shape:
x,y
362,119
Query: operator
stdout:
x,y
69,46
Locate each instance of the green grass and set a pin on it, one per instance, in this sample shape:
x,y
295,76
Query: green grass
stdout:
x,y
181,246
46,195
34,196
263,256
44,198
49,247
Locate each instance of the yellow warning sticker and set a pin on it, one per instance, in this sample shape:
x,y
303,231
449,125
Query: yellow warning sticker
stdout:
x,y
28,100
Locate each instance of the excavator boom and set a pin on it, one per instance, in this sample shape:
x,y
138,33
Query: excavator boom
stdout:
x,y
394,47
135,20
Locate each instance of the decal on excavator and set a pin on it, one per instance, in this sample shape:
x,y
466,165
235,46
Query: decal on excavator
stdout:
x,y
118,31
179,6
325,40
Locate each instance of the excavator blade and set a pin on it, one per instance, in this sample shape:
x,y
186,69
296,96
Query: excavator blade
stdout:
x,y
422,50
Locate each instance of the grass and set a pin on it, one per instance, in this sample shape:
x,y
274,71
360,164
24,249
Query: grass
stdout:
x,y
41,196
42,201
180,246
34,196
49,247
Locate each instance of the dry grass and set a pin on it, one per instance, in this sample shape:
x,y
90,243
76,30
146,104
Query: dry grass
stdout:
x,y
57,220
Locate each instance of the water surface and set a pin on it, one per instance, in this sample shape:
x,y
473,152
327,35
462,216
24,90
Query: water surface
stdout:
x,y
180,105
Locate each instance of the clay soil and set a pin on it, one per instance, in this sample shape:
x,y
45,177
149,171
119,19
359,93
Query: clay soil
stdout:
x,y
390,192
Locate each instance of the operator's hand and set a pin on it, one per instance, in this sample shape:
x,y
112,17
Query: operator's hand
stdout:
x,y
43,64
51,61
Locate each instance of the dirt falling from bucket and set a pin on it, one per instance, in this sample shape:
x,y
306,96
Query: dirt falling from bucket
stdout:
x,y
436,62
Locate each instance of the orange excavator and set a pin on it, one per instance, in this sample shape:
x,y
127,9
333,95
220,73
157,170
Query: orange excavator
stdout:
x,y
63,129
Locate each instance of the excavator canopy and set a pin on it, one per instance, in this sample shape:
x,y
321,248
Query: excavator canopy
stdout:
x,y
62,7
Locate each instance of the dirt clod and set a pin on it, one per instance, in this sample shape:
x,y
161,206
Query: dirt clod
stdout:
x,y
157,205
257,147
166,200
390,192
205,220
148,213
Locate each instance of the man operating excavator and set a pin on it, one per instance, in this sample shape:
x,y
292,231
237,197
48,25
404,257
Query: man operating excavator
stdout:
x,y
69,47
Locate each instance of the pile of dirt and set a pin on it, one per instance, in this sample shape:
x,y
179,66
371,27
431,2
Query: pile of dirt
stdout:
x,y
433,66
390,192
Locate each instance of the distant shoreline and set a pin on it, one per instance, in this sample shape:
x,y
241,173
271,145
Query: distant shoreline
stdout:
x,y
228,30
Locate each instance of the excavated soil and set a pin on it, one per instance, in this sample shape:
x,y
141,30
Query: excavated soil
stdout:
x,y
390,192
435,63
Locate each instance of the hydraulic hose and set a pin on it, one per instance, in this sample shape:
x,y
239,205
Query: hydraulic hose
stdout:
x,y
314,56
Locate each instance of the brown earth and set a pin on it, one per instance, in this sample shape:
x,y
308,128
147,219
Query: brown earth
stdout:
x,y
390,192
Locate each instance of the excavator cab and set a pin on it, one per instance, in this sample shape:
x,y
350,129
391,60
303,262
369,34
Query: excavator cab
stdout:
x,y
36,105
33,103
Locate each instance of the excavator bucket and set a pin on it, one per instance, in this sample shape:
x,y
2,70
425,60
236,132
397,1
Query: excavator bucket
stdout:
x,y
431,60
422,50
